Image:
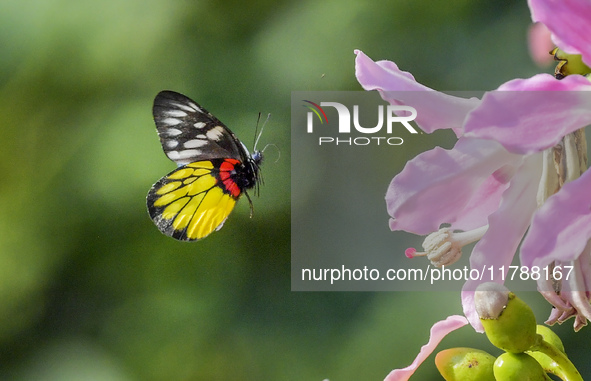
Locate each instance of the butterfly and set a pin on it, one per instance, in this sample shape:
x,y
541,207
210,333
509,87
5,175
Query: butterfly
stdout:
x,y
214,169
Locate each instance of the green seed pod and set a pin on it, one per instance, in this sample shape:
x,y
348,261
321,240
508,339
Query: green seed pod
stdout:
x,y
518,367
509,323
465,364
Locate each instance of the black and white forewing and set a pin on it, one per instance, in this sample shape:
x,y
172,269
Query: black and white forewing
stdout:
x,y
190,133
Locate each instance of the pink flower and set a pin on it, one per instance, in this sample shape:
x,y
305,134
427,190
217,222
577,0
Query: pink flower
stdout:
x,y
519,166
516,174
438,332
489,182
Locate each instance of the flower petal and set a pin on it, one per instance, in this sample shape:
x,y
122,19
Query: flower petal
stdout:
x,y
569,21
484,201
540,43
561,227
438,332
506,229
530,115
546,82
437,186
384,75
435,110
574,292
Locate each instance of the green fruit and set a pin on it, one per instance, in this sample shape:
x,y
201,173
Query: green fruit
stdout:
x,y
509,323
518,367
465,364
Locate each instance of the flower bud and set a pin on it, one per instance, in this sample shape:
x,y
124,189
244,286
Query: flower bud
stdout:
x,y
465,364
509,323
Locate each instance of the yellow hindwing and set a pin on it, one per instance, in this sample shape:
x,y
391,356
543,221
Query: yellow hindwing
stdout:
x,y
189,203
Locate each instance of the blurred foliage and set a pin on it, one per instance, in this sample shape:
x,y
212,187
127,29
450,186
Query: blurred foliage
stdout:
x,y
90,290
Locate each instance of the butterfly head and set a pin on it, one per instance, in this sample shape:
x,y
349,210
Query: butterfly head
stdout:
x,y
252,167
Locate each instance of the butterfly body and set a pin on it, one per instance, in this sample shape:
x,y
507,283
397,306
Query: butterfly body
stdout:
x,y
214,169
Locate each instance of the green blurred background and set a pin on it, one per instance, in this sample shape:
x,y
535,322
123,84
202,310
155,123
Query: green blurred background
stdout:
x,y
90,290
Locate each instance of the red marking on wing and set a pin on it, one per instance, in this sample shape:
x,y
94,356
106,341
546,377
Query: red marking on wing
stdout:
x,y
232,187
225,175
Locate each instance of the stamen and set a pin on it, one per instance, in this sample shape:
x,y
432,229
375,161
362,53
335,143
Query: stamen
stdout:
x,y
410,252
444,247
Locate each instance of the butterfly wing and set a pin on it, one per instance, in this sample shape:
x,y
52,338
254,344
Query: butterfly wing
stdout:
x,y
194,200
189,133
214,169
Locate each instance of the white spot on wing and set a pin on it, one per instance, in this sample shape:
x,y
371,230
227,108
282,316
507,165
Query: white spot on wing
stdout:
x,y
181,155
194,143
175,113
195,107
172,132
199,125
185,107
171,143
171,121
215,133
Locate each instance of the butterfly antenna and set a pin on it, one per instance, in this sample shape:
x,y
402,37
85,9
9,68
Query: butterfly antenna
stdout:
x,y
256,141
256,131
